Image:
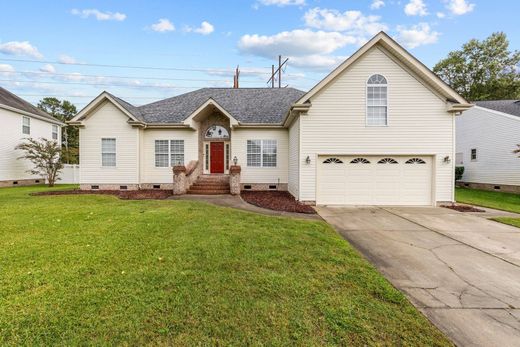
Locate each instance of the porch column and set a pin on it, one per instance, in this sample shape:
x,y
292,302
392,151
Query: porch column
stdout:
x,y
234,179
179,180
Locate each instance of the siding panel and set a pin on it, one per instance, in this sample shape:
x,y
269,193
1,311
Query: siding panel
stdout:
x,y
417,122
294,158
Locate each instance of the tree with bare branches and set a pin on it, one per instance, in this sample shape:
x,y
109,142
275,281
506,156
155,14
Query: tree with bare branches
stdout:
x,y
45,155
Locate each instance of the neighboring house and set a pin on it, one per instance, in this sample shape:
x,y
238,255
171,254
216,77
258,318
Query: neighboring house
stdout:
x,y
20,120
380,129
487,135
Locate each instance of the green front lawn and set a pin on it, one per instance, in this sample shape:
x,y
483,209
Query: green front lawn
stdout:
x,y
96,270
500,201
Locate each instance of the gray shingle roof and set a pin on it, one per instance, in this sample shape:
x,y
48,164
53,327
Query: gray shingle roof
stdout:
x,y
9,99
247,105
511,107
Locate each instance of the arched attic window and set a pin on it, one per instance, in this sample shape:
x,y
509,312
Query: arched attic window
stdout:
x,y
377,100
217,132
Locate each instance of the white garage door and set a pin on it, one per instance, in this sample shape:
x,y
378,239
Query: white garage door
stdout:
x,y
374,180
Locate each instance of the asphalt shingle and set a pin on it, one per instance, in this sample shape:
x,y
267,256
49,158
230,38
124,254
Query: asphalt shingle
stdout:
x,y
9,99
511,107
247,105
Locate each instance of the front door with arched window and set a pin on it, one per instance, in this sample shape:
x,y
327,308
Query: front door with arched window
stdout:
x,y
216,150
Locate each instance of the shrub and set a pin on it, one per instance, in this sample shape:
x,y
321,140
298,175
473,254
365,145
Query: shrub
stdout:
x,y
459,171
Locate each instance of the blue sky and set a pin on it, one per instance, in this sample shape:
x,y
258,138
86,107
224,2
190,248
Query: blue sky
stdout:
x,y
57,48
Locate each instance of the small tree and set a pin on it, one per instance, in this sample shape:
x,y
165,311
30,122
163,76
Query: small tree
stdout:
x,y
45,156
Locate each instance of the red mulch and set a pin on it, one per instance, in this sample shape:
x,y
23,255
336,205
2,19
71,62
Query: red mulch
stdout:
x,y
276,200
142,194
463,208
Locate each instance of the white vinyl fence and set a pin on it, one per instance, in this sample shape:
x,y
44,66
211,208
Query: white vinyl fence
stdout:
x,y
69,174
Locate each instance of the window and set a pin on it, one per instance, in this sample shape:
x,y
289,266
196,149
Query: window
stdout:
x,y
387,161
227,156
54,132
177,152
206,159
459,158
415,161
360,161
26,125
332,161
261,153
217,132
161,153
108,152
377,103
169,153
473,154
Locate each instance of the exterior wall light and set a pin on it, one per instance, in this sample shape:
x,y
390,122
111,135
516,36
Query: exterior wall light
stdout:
x,y
447,159
308,160
235,160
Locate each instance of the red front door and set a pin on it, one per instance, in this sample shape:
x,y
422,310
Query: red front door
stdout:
x,y
217,157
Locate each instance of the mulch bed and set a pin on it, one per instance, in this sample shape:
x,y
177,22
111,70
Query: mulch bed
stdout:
x,y
277,200
463,208
143,194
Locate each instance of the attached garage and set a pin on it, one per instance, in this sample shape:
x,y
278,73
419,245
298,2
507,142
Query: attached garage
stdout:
x,y
374,180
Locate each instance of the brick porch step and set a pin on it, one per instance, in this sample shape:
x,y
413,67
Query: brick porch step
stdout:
x,y
210,185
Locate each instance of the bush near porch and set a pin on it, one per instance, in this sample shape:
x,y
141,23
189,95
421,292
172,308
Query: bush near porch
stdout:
x,y
97,270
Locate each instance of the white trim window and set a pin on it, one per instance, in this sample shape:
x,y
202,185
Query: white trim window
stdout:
x,y
54,132
473,154
262,153
169,153
377,101
108,152
26,125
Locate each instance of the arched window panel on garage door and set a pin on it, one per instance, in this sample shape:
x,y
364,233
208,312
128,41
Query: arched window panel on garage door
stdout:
x,y
360,161
387,161
332,161
415,161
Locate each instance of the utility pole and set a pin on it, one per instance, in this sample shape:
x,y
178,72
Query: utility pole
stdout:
x,y
278,71
236,77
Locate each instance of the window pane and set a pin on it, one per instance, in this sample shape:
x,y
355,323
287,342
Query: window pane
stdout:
x,y
254,155
54,132
177,152
26,125
376,115
108,152
108,159
269,153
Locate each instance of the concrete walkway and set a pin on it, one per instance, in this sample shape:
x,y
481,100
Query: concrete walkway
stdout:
x,y
237,202
462,271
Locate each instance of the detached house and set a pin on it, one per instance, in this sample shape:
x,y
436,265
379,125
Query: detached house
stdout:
x,y
20,120
378,130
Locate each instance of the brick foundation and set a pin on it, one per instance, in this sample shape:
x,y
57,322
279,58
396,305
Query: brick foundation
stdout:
x,y
491,187
24,182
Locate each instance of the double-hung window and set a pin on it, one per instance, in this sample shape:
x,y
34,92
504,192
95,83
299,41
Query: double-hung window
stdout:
x,y
26,125
169,153
261,153
108,152
377,101
54,132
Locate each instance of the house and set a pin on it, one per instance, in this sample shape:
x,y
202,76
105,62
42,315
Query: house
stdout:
x,y
21,120
378,130
487,135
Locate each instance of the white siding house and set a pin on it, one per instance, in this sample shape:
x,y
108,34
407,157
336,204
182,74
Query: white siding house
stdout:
x,y
486,139
21,120
378,130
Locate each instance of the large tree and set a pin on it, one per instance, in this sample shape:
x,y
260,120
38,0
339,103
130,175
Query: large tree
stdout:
x,y
483,70
64,110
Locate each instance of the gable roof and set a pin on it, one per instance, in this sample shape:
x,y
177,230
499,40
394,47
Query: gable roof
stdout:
x,y
15,102
511,107
245,105
403,57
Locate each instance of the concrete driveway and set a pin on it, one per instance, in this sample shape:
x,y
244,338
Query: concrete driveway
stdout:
x,y
462,271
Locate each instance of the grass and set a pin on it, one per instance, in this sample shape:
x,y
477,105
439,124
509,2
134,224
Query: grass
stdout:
x,y
96,270
497,200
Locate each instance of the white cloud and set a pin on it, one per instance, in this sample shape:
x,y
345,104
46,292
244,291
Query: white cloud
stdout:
x,y
163,25
294,43
416,35
67,59
48,68
377,4
20,48
205,28
316,61
282,3
459,7
441,15
6,70
353,21
99,15
416,8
